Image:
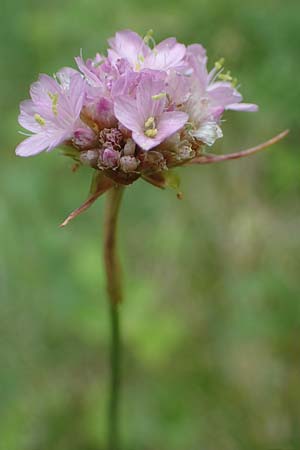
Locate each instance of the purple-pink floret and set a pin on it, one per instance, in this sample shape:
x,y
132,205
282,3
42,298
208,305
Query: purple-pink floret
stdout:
x,y
140,98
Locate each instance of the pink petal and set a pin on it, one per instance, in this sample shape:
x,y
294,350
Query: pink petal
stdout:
x,y
199,74
90,76
33,145
245,107
147,88
64,76
196,50
26,118
223,94
169,123
76,94
126,84
126,112
128,45
145,142
177,86
165,55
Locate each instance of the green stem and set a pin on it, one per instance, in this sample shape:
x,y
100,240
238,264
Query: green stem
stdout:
x,y
115,353
115,297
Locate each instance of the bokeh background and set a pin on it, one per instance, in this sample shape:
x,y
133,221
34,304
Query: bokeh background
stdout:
x,y
211,321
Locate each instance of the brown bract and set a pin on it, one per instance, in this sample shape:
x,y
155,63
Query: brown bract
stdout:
x,y
155,167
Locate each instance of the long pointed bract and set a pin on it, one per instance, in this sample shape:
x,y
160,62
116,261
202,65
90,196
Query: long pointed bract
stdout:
x,y
210,158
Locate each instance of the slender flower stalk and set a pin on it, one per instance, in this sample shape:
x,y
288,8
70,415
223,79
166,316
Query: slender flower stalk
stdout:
x,y
114,291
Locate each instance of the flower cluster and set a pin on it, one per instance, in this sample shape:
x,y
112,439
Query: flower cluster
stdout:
x,y
140,110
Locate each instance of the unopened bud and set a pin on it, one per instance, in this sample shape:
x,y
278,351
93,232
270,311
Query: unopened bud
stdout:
x,y
128,163
129,148
84,138
153,161
185,152
109,158
89,157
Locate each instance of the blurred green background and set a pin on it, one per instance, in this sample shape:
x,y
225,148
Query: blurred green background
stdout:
x,y
211,321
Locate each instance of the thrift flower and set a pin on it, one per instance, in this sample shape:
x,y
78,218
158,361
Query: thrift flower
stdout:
x,y
137,112
146,115
53,112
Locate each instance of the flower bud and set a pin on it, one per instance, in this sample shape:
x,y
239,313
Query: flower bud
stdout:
x,y
84,138
185,152
89,157
152,161
101,111
109,158
129,148
128,163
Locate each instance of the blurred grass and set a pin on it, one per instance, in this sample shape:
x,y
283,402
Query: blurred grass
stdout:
x,y
212,315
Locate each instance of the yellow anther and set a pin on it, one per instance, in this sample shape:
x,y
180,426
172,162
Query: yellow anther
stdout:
x,y
150,127
137,67
148,36
141,58
151,133
39,119
225,76
148,39
150,123
220,63
159,96
54,99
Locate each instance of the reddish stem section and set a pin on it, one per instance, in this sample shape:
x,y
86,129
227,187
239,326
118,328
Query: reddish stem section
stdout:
x,y
113,281
110,254
209,158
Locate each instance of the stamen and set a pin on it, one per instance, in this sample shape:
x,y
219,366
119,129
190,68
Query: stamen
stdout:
x,y
151,133
220,63
39,119
148,36
226,76
148,39
159,96
234,82
150,127
150,123
54,99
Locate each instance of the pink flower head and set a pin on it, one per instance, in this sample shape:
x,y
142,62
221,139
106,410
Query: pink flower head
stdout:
x,y
136,112
146,115
141,93
52,114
